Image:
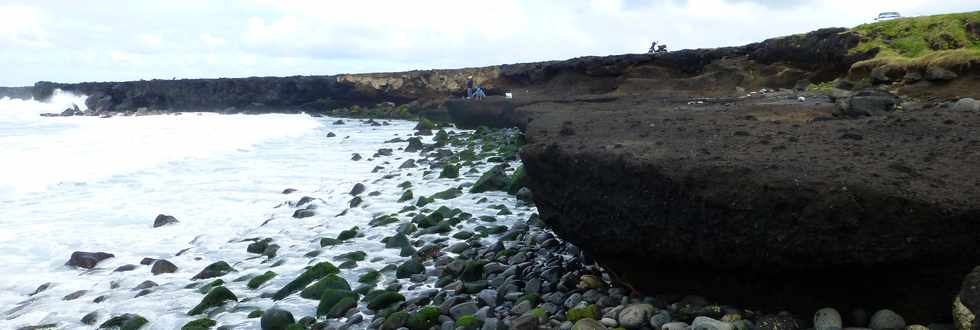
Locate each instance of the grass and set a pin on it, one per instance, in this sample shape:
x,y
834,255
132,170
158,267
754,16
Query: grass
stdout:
x,y
917,43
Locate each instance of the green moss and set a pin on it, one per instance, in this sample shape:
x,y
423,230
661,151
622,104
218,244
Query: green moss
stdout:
x,y
207,287
199,324
423,201
371,277
384,299
296,326
332,297
255,314
257,281
587,312
312,274
124,322
331,281
216,297
469,322
352,256
395,320
405,185
518,180
450,171
424,319
348,234
216,269
407,195
447,194
823,87
383,220
533,298
493,179
425,124
539,312
918,42
409,268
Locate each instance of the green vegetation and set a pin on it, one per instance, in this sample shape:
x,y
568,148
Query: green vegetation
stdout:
x,y
950,42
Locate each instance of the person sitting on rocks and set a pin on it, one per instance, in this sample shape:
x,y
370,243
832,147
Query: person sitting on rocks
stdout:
x,y
469,87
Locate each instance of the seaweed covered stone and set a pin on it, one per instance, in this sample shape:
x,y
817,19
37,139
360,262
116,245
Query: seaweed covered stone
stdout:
x,y
257,281
312,274
331,281
331,298
216,269
494,179
215,297
276,319
124,322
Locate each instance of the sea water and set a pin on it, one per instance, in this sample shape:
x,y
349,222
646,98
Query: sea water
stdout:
x,y
96,184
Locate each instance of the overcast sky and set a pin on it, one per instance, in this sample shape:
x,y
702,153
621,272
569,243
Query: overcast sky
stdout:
x,y
71,41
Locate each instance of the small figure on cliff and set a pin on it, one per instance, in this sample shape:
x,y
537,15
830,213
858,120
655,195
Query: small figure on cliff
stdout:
x,y
469,87
479,94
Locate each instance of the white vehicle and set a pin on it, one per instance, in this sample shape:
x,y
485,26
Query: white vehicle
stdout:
x,y
888,15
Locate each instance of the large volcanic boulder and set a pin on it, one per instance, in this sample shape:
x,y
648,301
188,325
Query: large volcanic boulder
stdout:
x,y
757,205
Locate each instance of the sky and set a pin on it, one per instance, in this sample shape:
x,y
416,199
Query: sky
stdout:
x,y
100,40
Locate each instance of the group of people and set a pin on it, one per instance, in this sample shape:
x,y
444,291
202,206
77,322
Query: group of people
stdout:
x,y
474,91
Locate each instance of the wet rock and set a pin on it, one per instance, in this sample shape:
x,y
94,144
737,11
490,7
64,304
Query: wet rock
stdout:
x,y
163,267
74,295
966,104
276,319
331,134
778,322
886,320
395,320
257,281
488,297
124,322
216,269
525,322
216,297
493,179
588,324
635,316
335,302
658,320
313,273
90,318
331,281
303,213
868,102
358,189
827,319
408,164
675,326
124,268
460,310
87,260
199,324
164,220
707,323
937,73
384,299
288,191
147,261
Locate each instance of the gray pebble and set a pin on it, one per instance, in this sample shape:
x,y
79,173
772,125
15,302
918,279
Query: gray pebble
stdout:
x,y
886,320
827,319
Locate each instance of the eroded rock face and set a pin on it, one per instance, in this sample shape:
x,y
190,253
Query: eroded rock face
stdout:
x,y
753,206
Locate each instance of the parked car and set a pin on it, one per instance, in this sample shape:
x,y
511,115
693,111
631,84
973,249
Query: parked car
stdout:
x,y
888,15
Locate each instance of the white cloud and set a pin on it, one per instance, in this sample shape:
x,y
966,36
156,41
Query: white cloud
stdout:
x,y
20,26
212,41
120,56
150,41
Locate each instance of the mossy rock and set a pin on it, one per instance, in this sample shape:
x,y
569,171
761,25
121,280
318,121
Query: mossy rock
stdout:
x,y
384,299
407,195
216,269
199,324
331,281
395,320
405,185
213,284
296,326
348,234
463,235
424,319
124,322
472,271
352,256
505,211
539,312
587,312
447,194
341,307
493,179
257,281
450,171
408,268
423,201
216,297
255,314
331,297
371,277
425,124
469,322
446,212
314,273
276,319
327,241
355,202
396,242
383,220
475,286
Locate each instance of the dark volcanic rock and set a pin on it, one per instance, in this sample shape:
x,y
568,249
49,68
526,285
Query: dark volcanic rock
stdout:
x,y
163,220
162,267
87,259
748,222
